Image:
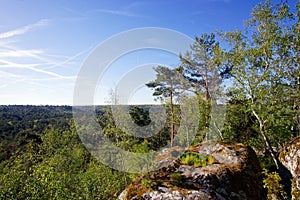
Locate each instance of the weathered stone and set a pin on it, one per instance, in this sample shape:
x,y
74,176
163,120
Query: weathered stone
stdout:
x,y
166,157
290,158
234,174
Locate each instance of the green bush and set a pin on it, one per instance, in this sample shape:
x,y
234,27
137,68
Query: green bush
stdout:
x,y
149,183
272,184
176,179
196,160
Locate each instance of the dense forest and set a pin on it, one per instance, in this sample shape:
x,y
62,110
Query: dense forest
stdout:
x,y
254,72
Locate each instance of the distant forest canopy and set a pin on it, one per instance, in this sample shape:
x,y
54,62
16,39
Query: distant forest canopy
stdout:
x,y
42,156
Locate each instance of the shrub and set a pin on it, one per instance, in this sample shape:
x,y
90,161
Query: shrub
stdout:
x,y
272,184
149,183
176,179
196,160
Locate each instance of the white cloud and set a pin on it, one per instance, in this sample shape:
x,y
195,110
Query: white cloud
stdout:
x,y
225,1
9,75
116,12
24,29
13,59
69,59
19,53
39,71
31,66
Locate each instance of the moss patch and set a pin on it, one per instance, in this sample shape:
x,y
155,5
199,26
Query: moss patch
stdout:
x,y
176,179
136,191
196,160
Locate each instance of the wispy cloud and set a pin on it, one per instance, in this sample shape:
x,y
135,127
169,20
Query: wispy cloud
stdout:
x,y
24,29
137,4
11,75
70,59
117,12
225,1
32,67
20,53
127,11
75,12
44,65
8,78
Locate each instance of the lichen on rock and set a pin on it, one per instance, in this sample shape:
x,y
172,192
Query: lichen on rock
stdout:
x,y
226,171
290,158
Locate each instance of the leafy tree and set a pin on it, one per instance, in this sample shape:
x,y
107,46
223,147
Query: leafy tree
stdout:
x,y
261,76
168,86
201,71
291,55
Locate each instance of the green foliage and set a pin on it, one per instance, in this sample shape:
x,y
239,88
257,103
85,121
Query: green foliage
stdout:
x,y
201,66
22,124
201,63
140,115
295,191
176,179
272,184
146,183
41,156
266,162
263,107
196,160
168,82
149,183
168,87
142,147
58,168
100,182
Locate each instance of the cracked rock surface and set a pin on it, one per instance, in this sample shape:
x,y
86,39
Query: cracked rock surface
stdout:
x,y
233,174
290,158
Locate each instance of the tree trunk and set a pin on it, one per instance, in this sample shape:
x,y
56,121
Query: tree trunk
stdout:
x,y
266,139
172,119
207,108
284,173
298,100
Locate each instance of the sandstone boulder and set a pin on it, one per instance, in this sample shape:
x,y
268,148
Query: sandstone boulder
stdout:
x,y
290,158
209,170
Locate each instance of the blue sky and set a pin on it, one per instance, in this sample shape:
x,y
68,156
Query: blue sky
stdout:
x,y
44,43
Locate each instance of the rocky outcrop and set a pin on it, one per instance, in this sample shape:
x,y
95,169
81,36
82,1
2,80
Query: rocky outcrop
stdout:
x,y
208,170
290,158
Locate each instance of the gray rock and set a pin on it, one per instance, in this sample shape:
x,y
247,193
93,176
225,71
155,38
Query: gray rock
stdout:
x,y
290,158
234,175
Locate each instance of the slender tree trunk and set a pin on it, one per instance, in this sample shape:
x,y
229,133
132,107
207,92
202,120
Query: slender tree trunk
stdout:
x,y
298,97
219,131
172,118
266,139
207,109
202,115
284,173
296,49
